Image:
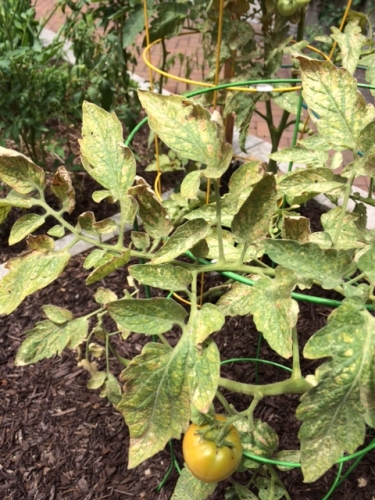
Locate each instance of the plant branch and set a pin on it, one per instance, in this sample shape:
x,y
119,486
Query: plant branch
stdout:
x,y
290,386
219,228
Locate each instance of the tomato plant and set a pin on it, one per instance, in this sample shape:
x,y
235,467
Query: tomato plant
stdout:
x,y
209,455
254,236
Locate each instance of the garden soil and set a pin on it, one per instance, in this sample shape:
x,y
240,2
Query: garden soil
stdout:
x,y
61,441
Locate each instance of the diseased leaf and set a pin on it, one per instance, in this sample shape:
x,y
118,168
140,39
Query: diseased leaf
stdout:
x,y
188,129
261,441
104,295
236,302
190,184
49,338
307,183
14,199
296,228
27,274
204,374
316,158
155,403
246,175
165,276
275,312
56,314
19,172
140,240
40,243
63,188
366,263
108,267
24,226
96,380
341,112
350,235
104,156
253,219
56,231
188,487
328,266
184,238
149,316
350,42
111,390
209,319
336,411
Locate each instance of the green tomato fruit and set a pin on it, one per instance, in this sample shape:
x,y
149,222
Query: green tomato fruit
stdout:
x,y
287,7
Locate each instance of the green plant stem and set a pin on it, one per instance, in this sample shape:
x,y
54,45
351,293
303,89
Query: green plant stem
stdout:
x,y
219,228
368,201
120,359
340,221
224,402
275,479
355,279
290,386
296,371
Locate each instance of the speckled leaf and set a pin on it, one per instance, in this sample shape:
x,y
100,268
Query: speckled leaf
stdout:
x,y
105,226
239,492
4,211
291,456
58,315
188,487
253,219
209,319
275,312
262,440
14,199
245,176
184,238
155,403
236,302
94,258
41,243
19,172
366,140
350,235
350,42
165,276
24,226
287,100
102,271
298,154
209,214
296,227
96,380
188,129
111,390
328,266
49,338
267,487
104,295
341,108
140,240
309,182
149,316
102,194
104,156
190,184
56,231
334,412
63,188
27,274
366,263
204,374
154,215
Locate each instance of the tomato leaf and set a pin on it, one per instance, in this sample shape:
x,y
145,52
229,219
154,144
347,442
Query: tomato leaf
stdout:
x,y
24,226
164,276
189,487
236,302
204,375
27,274
350,42
102,271
253,219
58,315
188,129
275,312
341,112
335,412
208,319
104,156
63,188
262,441
366,263
19,172
49,338
155,403
328,266
184,238
149,316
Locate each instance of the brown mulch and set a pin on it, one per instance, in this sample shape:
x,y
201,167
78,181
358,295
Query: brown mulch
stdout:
x,y
60,441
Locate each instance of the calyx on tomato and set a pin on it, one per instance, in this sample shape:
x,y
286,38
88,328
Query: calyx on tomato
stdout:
x,y
287,7
210,456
